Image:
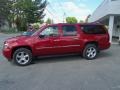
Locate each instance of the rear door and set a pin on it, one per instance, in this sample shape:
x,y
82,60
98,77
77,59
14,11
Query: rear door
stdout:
x,y
69,40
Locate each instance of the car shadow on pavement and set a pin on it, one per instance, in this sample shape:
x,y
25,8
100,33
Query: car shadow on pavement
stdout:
x,y
55,59
104,54
68,58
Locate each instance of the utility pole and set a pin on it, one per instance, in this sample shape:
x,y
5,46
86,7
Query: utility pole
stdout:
x,y
52,21
64,17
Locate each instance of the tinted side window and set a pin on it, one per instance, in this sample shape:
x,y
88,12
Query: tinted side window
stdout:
x,y
69,30
93,29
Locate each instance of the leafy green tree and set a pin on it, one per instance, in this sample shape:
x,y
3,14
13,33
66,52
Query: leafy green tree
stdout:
x,y
41,21
5,9
71,20
81,21
31,11
49,21
23,12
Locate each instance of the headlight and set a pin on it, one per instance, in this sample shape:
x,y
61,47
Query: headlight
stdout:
x,y
6,45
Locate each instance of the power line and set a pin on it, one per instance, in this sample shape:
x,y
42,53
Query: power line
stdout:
x,y
64,13
54,10
52,14
51,7
61,7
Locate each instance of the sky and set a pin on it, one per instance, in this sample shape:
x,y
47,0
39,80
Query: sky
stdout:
x,y
58,10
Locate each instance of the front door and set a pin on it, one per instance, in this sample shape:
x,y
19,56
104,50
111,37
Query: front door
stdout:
x,y
44,44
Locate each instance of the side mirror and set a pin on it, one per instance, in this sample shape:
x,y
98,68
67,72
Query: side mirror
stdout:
x,y
41,36
24,33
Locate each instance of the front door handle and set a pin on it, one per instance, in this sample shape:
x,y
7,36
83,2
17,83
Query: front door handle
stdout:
x,y
56,40
75,38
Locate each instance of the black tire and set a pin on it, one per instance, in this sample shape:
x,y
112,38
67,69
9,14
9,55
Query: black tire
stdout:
x,y
91,55
27,59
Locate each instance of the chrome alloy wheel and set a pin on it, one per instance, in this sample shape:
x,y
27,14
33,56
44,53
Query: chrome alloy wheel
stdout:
x,y
91,52
22,58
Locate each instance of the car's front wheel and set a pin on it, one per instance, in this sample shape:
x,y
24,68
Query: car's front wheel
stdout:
x,y
22,57
90,52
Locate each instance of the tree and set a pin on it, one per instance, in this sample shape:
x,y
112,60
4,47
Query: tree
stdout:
x,y
23,12
5,9
71,20
49,21
81,21
30,11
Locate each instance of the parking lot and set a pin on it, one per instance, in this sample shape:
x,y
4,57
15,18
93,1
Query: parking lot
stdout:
x,y
63,73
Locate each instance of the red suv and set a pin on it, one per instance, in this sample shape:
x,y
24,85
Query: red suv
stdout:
x,y
57,39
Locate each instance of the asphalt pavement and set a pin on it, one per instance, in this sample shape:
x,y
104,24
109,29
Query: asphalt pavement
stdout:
x,y
63,73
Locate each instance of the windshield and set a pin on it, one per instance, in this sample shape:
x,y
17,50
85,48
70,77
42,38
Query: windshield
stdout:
x,y
28,33
38,30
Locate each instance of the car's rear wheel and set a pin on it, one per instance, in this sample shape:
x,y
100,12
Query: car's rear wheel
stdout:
x,y
90,52
22,57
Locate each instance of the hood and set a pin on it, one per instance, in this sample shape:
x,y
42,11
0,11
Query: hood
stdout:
x,y
17,38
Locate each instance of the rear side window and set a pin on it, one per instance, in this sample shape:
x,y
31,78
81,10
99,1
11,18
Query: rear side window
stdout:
x,y
69,30
93,29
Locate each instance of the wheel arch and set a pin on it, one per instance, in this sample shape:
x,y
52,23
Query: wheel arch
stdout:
x,y
15,48
92,42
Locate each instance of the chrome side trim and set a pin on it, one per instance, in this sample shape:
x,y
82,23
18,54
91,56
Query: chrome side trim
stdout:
x,y
44,48
58,47
67,46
